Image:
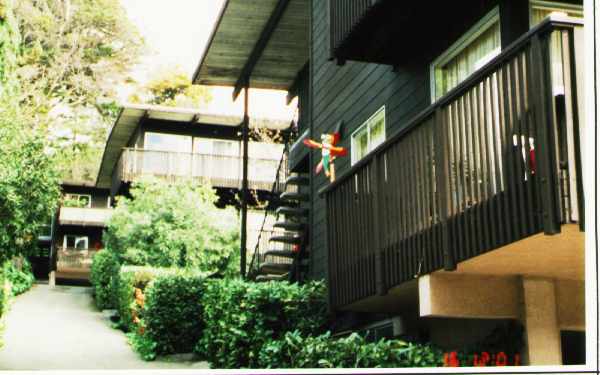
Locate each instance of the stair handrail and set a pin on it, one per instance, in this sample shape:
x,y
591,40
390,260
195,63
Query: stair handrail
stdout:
x,y
274,189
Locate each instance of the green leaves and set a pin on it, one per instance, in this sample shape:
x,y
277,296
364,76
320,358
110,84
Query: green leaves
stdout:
x,y
172,225
173,312
20,278
29,186
297,351
240,317
104,267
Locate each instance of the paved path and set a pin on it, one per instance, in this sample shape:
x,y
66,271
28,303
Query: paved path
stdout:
x,y
61,329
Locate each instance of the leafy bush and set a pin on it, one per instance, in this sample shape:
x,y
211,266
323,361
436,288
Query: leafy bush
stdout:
x,y
172,314
20,278
142,345
240,317
5,293
167,225
29,185
129,288
104,268
296,351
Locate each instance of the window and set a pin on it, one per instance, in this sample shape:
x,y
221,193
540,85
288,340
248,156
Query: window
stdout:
x,y
216,147
368,136
538,11
78,200
473,50
167,142
75,242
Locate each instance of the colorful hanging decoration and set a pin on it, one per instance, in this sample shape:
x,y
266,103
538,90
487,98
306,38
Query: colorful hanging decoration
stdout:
x,y
329,152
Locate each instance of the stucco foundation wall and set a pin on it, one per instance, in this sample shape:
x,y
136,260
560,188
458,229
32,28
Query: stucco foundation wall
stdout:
x,y
570,299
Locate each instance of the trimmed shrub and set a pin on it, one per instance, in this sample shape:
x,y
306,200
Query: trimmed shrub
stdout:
x,y
129,286
296,351
104,268
240,317
172,314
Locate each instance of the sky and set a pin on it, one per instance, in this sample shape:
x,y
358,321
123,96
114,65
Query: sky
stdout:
x,y
176,33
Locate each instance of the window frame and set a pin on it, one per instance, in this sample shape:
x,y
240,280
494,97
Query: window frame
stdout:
x,y
366,125
76,237
77,196
463,43
555,6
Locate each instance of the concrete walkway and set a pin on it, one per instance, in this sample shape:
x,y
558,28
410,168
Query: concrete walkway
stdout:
x,y
60,329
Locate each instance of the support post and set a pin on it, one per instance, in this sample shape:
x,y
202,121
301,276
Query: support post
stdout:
x,y
244,191
545,136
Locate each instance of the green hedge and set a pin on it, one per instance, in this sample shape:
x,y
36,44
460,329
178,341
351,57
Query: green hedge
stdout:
x,y
104,268
129,279
296,351
240,317
21,278
172,315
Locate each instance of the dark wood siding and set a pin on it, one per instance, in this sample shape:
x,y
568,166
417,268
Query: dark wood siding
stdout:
x,y
353,92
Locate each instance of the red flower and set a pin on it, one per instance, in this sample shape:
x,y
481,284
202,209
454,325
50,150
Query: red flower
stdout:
x,y
501,359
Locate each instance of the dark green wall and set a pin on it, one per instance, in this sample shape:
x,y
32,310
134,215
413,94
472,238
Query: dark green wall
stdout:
x,y
354,91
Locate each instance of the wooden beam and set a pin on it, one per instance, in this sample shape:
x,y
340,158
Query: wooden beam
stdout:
x,y
259,47
244,192
293,90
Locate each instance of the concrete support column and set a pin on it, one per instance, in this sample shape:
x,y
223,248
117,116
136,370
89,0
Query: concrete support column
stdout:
x,y
52,279
541,322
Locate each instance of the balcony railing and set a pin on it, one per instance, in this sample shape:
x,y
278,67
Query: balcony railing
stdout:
x,y
84,216
218,170
495,160
74,260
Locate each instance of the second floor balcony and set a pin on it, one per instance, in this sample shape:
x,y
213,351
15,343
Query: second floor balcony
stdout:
x,y
492,162
217,170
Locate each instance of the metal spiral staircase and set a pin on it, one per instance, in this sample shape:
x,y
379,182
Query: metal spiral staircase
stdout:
x,y
284,255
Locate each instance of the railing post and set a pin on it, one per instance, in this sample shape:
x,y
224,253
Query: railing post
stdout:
x,y
442,173
378,235
545,135
575,71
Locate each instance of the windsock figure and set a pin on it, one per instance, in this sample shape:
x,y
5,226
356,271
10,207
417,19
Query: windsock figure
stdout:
x,y
329,152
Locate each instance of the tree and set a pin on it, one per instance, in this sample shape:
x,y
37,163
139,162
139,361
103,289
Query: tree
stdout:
x,y
173,88
29,186
166,225
73,53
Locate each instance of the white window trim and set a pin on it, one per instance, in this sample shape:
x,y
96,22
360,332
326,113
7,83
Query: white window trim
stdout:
x,y
463,42
77,237
365,124
77,196
554,6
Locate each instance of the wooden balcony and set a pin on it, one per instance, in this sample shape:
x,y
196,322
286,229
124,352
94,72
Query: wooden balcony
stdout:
x,y
494,161
74,263
217,170
94,217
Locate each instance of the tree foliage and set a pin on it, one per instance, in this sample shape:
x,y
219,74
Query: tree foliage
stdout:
x,y
73,53
73,50
173,88
29,185
165,225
